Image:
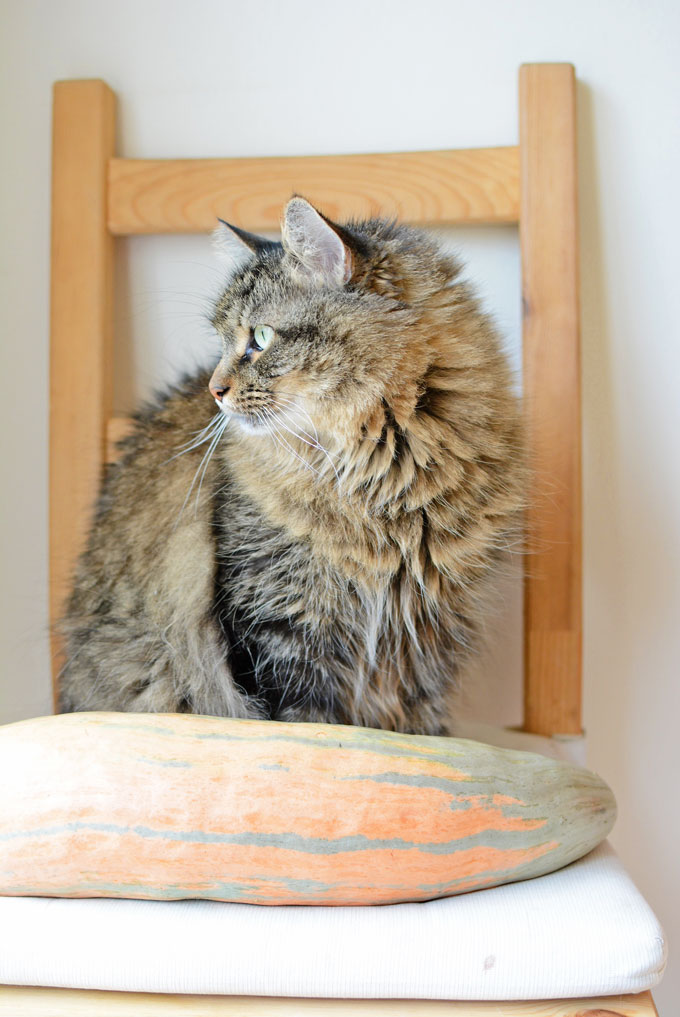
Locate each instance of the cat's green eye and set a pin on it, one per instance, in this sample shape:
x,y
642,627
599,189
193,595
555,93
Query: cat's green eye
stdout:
x,y
262,336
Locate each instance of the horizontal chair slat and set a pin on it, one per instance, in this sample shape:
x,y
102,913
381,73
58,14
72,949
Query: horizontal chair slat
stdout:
x,y
30,1001
186,195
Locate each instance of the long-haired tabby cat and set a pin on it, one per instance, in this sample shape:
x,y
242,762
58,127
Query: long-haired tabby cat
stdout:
x,y
319,547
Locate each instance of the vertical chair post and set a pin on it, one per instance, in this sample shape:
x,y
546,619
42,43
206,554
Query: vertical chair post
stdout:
x,y
80,323
549,246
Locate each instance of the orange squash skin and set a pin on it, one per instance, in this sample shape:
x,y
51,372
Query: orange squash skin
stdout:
x,y
180,806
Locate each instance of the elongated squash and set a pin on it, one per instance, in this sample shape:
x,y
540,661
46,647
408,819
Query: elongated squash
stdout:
x,y
170,806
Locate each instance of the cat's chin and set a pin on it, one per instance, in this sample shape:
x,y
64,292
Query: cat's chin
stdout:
x,y
247,424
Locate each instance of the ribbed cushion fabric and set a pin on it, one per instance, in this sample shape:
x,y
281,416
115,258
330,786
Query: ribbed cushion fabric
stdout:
x,y
584,930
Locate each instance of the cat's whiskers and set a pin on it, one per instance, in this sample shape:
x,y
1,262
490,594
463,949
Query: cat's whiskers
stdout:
x,y
199,438
203,465
313,439
211,423
268,428
272,422
295,434
312,444
207,457
293,404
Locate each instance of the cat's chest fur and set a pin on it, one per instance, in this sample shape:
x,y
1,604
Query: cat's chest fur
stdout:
x,y
298,624
353,620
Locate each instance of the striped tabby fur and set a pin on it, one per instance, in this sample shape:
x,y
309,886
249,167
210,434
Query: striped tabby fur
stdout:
x,y
329,560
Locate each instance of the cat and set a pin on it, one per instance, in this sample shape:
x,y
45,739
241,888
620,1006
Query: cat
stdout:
x,y
320,548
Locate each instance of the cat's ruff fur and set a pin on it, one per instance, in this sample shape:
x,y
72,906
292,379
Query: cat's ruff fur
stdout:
x,y
333,565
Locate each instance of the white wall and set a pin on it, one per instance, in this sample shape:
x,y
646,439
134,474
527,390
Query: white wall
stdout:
x,y
224,78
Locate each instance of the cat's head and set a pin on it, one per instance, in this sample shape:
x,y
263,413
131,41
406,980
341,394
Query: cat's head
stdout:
x,y
324,330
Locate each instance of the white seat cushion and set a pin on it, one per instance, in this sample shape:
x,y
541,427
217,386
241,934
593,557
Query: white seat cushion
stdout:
x,y
584,930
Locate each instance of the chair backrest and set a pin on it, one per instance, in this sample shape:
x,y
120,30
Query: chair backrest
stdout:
x,y
97,197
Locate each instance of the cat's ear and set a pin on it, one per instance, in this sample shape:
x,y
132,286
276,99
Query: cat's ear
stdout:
x,y
236,248
315,244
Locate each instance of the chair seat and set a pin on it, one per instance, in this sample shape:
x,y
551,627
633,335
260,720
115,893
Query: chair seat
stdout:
x,y
584,930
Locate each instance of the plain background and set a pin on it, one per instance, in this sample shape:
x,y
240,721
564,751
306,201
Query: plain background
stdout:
x,y
216,77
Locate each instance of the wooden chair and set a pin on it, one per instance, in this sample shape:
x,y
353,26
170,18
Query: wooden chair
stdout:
x,y
97,197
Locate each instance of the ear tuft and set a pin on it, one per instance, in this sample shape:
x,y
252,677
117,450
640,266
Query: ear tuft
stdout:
x,y
236,247
315,245
230,247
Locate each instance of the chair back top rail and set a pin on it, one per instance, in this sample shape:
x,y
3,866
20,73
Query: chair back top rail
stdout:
x,y
186,195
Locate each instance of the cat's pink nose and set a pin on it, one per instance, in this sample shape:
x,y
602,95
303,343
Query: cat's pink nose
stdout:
x,y
219,385
218,391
